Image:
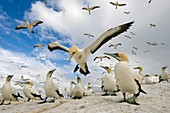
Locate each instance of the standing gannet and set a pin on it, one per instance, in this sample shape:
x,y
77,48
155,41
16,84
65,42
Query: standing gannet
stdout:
x,y
51,90
164,76
149,79
28,25
109,82
8,92
81,55
90,8
30,92
70,90
78,89
117,4
125,78
139,75
88,90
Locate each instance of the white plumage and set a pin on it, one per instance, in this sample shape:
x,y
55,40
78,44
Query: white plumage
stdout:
x,y
81,55
78,89
164,76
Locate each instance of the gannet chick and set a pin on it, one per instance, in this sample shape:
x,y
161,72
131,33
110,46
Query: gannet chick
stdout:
x,y
88,91
30,92
28,25
51,90
109,82
125,78
90,8
81,55
139,75
78,90
9,92
117,4
164,76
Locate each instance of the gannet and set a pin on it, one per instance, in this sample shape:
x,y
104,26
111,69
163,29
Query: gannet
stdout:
x,y
70,90
90,8
81,55
139,75
162,43
148,79
152,25
150,1
128,36
88,91
109,82
88,34
39,45
152,43
164,76
115,45
133,53
132,33
101,57
28,25
127,12
117,4
30,92
78,90
8,92
125,78
51,90
135,48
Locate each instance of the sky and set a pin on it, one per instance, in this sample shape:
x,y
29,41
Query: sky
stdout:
x,y
65,22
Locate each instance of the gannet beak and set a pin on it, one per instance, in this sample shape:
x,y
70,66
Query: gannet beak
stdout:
x,y
106,68
136,68
114,55
71,55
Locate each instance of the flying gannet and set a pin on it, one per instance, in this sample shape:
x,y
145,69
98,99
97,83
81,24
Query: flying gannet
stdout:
x,y
28,25
101,57
127,12
125,78
39,45
30,92
8,92
88,34
81,55
117,4
90,8
115,45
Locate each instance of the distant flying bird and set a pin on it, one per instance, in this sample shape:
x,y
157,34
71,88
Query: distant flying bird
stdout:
x,y
150,1
39,45
100,57
135,48
132,33
128,36
81,55
133,53
152,43
117,4
24,79
88,34
115,45
90,8
28,25
146,51
162,43
152,25
127,12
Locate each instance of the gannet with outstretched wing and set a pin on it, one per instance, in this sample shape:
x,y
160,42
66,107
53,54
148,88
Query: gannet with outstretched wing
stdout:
x,y
81,55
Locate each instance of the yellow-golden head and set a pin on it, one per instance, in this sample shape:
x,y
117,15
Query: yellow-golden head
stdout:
x,y
163,68
72,51
119,56
139,67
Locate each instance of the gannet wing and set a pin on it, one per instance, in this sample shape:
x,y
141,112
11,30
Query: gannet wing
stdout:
x,y
21,26
84,8
121,4
36,22
94,7
106,36
54,45
112,3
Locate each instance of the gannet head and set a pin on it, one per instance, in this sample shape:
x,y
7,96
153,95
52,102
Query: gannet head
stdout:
x,y
139,67
119,56
147,75
108,69
30,83
72,51
49,74
78,79
163,68
72,82
9,77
